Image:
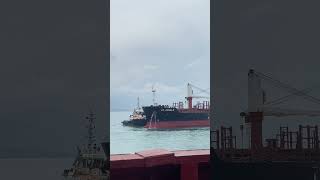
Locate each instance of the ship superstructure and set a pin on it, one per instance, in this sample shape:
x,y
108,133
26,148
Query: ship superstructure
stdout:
x,y
91,162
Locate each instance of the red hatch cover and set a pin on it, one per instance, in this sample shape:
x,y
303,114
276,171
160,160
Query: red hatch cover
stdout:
x,y
195,156
157,157
126,161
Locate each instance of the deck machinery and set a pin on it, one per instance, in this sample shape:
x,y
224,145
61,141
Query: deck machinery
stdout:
x,y
290,154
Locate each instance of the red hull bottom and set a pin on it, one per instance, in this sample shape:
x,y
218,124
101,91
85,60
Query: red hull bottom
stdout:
x,y
177,124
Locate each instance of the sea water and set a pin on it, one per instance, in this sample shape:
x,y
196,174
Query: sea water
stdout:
x,y
124,139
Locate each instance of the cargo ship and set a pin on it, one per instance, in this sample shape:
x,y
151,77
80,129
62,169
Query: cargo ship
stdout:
x,y
175,116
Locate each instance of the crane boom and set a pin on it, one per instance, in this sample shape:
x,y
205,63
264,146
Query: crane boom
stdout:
x,y
205,97
289,112
190,94
258,107
281,112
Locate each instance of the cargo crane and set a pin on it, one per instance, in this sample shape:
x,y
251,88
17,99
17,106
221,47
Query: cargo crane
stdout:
x,y
258,107
289,155
191,95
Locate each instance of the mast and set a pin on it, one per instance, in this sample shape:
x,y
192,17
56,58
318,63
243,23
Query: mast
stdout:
x,y
189,95
154,96
91,132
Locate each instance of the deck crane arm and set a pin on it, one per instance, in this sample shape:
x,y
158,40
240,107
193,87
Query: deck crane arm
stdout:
x,y
258,107
191,86
205,97
190,91
281,112
190,94
289,112
256,97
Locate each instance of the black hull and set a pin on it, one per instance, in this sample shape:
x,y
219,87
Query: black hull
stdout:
x,y
165,113
168,114
135,123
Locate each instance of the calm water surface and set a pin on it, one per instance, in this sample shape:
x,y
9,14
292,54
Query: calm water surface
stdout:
x,y
125,139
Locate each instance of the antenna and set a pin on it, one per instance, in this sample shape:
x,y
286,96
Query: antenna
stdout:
x,y
138,103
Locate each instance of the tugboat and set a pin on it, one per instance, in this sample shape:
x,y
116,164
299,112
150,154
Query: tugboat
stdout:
x,y
91,162
175,116
137,118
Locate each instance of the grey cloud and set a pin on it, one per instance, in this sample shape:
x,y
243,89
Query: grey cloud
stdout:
x,y
165,34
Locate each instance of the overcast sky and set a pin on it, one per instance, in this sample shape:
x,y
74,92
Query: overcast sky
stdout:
x,y
162,43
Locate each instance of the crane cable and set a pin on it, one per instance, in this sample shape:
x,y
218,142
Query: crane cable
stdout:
x,y
292,89
286,98
286,86
202,90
